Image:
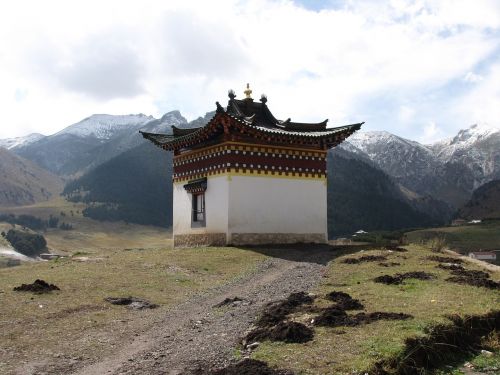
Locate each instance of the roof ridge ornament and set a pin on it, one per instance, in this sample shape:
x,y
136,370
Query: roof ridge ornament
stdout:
x,y
248,92
231,94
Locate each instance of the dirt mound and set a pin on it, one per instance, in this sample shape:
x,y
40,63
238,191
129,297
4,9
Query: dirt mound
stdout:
x,y
471,274
450,266
335,317
344,301
131,302
233,302
38,286
442,344
400,277
365,258
291,332
277,311
389,264
437,258
248,367
474,278
395,248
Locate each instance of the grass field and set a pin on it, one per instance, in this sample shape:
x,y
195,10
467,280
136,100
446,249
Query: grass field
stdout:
x,y
77,321
485,236
351,350
90,235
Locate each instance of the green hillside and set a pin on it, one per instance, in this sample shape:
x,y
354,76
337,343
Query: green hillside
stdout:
x,y
484,203
134,186
363,197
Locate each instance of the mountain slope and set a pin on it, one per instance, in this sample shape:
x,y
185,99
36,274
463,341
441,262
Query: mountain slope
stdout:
x,y
134,186
448,170
484,203
22,182
363,197
10,143
92,141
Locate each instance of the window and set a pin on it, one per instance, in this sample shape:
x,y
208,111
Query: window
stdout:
x,y
198,213
197,190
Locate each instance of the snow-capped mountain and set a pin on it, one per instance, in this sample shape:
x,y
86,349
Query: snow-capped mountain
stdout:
x,y
465,140
448,170
10,143
106,126
94,140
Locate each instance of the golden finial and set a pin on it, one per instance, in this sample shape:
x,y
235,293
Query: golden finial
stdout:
x,y
248,92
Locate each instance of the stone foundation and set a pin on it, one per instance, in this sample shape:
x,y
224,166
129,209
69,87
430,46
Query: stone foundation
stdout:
x,y
200,239
239,239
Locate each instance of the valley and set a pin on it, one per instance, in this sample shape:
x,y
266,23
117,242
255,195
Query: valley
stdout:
x,y
112,189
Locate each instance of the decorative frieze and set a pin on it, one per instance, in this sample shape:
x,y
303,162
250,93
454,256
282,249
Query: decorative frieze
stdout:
x,y
250,160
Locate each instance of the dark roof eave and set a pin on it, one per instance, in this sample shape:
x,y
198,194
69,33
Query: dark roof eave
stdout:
x,y
172,142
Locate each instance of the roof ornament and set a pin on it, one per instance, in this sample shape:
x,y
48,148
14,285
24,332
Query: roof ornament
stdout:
x,y
248,92
220,109
231,94
263,98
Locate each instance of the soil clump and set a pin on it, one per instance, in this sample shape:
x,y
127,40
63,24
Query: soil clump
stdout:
x,y
389,264
291,332
335,317
399,278
473,278
450,266
344,301
276,312
235,301
131,302
440,259
38,286
442,344
247,367
365,258
395,248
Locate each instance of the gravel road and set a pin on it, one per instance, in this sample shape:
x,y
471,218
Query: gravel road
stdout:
x,y
195,333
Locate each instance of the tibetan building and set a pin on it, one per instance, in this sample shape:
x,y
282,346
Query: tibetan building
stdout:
x,y
248,178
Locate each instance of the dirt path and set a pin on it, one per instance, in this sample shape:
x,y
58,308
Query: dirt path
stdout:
x,y
196,333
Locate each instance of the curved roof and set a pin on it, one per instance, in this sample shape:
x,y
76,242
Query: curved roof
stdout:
x,y
248,119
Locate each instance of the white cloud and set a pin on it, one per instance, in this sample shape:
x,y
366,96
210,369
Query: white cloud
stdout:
x,y
62,61
431,133
472,77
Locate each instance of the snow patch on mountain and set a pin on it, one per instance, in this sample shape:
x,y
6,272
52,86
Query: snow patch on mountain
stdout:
x,y
106,126
10,143
164,124
464,141
370,142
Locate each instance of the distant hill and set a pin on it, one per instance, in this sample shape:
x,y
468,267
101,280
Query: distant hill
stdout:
x,y
22,182
363,197
448,170
11,143
134,186
484,203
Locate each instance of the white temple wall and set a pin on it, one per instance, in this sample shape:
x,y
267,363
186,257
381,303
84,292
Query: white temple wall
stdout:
x,y
281,210
216,210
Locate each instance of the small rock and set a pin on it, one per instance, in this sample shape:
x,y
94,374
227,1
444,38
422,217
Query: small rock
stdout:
x,y
253,345
487,353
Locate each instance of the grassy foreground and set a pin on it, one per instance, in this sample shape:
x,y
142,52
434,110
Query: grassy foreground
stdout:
x,y
77,321
352,350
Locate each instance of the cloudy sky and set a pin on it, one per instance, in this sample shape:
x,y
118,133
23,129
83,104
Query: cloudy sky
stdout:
x,y
419,69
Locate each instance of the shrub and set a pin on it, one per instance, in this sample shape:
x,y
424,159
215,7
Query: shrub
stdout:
x,y
29,244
